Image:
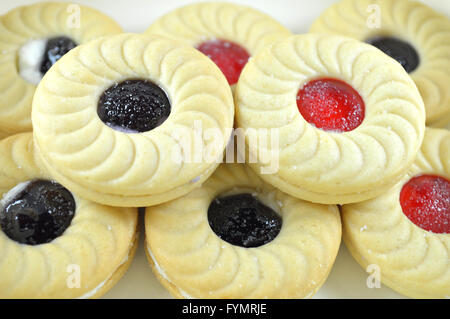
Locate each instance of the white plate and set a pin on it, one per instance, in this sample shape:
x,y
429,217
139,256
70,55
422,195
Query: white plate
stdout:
x,y
347,278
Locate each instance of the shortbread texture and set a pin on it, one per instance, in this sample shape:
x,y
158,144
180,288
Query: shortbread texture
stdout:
x,y
193,262
325,166
132,169
427,30
412,261
96,245
39,21
199,22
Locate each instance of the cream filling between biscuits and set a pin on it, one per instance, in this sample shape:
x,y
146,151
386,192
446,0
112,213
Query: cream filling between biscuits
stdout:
x,y
30,59
162,273
91,293
96,289
12,193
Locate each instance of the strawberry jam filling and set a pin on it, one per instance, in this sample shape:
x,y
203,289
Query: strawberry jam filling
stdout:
x,y
425,200
228,56
331,105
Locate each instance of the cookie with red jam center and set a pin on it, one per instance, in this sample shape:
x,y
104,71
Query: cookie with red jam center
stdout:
x,y
329,119
411,33
227,33
406,231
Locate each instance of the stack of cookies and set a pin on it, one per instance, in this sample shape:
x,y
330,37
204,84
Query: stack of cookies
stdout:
x,y
253,150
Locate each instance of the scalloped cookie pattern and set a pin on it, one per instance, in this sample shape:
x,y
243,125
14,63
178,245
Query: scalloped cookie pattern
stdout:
x,y
196,23
191,261
48,19
122,169
412,261
427,30
100,240
200,22
321,166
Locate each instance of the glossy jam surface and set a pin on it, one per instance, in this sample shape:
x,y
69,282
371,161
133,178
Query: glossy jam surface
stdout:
x,y
242,220
134,106
331,105
38,213
54,50
425,200
228,56
403,52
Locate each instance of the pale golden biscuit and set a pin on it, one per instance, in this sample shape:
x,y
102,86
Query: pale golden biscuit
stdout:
x,y
132,169
412,261
425,29
327,166
118,274
38,22
191,261
442,123
196,23
100,240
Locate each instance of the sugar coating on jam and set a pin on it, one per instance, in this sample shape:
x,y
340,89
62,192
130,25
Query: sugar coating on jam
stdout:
x,y
242,220
228,56
54,49
134,106
425,200
331,105
38,213
403,52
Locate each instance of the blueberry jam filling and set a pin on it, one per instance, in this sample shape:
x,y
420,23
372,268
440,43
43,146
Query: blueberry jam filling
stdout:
x,y
54,50
134,106
40,212
242,220
400,50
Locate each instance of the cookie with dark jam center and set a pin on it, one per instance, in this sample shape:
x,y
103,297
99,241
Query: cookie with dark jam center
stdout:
x,y
403,52
242,220
37,214
134,106
54,50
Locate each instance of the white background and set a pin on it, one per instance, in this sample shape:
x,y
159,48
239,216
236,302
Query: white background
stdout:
x,y
347,278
